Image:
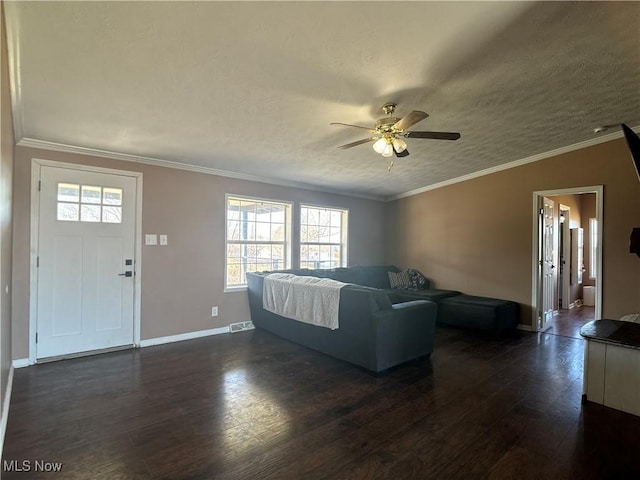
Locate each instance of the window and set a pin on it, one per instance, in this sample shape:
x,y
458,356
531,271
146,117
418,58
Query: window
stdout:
x,y
89,203
323,237
593,247
258,238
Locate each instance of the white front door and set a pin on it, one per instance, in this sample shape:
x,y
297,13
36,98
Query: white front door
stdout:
x,y
86,261
548,262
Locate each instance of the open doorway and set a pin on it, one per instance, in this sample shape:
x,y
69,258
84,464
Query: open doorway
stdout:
x,y
567,280
564,249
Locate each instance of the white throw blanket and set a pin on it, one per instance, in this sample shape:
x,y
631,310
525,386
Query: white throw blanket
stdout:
x,y
306,299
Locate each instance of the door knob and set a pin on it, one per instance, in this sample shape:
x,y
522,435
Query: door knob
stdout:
x,y
126,274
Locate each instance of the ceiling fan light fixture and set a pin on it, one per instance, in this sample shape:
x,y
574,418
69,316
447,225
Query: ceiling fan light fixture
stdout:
x,y
399,145
379,145
388,150
387,131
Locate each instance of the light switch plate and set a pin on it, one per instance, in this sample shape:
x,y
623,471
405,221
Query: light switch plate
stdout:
x,y
163,240
151,239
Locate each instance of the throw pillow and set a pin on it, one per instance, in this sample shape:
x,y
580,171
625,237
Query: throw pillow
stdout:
x,y
399,279
416,279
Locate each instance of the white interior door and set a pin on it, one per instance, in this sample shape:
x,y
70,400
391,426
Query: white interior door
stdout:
x,y
86,261
548,261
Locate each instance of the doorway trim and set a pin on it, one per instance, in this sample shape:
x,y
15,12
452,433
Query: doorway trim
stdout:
x,y
36,165
535,256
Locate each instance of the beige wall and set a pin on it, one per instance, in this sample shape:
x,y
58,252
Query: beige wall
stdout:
x,y
181,282
6,176
476,236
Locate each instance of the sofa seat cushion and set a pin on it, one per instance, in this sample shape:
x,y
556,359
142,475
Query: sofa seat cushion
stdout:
x,y
432,294
479,313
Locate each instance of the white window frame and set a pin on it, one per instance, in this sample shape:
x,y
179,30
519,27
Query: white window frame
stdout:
x,y
593,248
344,235
286,243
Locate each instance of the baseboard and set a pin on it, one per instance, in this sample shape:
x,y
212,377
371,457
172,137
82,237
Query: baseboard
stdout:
x,y
24,362
526,328
183,336
20,363
5,408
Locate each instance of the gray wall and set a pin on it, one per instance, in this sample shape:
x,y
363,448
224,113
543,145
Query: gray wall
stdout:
x,y
6,176
182,281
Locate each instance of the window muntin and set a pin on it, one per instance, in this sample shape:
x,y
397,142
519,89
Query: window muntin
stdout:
x,y
258,238
323,237
89,203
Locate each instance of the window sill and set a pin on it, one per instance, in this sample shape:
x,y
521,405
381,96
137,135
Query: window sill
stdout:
x,y
242,288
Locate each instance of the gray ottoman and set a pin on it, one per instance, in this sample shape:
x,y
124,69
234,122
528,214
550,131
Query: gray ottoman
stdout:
x,y
479,313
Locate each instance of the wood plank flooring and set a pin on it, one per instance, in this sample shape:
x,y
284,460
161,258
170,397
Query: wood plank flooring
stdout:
x,y
569,322
252,406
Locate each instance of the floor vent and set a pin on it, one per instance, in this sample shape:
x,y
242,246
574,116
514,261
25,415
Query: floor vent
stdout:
x,y
241,326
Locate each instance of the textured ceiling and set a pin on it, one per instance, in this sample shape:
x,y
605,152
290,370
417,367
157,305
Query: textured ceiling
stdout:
x,y
251,87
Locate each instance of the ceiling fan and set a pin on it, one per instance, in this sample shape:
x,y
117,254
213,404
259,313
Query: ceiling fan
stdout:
x,y
387,131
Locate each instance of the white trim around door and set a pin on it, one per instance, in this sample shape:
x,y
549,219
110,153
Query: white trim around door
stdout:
x,y
36,165
535,256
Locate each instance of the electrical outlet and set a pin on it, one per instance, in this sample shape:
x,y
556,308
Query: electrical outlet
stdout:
x,y
214,311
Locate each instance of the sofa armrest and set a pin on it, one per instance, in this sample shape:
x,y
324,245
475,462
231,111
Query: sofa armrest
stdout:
x,y
411,305
404,332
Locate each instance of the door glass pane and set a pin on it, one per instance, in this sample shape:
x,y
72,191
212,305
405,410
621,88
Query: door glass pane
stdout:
x,y
90,213
68,212
112,196
68,192
91,194
111,214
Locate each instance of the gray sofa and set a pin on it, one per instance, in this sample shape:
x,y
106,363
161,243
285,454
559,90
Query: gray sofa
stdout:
x,y
373,332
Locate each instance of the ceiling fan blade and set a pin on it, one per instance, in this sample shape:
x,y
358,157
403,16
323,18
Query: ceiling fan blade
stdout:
x,y
433,135
355,126
359,142
410,119
403,153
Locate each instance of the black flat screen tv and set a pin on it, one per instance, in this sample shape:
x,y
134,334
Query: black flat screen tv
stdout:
x,y
633,141
634,147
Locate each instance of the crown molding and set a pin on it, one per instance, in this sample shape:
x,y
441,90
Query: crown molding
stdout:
x,y
60,147
516,163
126,157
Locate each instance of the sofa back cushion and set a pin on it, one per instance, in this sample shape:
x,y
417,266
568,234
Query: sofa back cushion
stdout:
x,y
378,299
376,276
369,276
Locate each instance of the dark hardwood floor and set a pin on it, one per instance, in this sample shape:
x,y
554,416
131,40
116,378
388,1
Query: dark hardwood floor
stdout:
x,y
252,406
569,322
